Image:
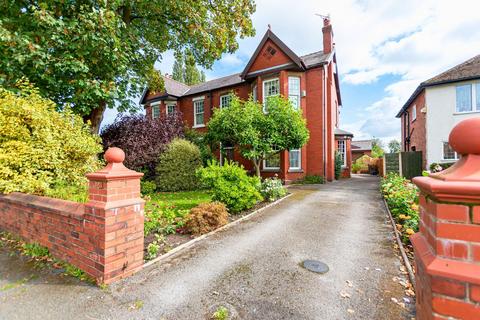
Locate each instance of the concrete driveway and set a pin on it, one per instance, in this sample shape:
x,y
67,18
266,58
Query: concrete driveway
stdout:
x,y
252,269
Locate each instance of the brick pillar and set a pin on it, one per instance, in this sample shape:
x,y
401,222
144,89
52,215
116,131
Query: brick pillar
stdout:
x,y
114,214
447,247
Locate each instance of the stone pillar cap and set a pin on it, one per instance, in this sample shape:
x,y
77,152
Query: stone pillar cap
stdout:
x,y
460,182
114,169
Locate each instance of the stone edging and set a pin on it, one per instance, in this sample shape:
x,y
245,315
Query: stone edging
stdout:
x,y
400,246
225,227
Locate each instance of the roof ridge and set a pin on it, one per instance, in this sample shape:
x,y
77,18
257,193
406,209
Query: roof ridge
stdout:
x,y
312,53
466,62
186,85
201,83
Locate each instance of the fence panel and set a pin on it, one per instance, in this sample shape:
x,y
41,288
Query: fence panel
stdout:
x,y
411,164
392,163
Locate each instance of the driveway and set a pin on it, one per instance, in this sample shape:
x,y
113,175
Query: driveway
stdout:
x,y
253,269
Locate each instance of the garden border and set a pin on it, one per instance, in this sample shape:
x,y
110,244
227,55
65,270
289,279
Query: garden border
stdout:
x,y
190,243
411,275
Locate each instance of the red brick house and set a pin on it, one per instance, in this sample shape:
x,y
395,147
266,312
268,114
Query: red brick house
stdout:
x,y
361,148
311,83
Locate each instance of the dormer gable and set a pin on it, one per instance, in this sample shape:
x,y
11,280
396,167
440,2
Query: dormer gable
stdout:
x,y
271,54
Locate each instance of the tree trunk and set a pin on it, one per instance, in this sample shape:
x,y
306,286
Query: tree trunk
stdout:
x,y
256,164
95,117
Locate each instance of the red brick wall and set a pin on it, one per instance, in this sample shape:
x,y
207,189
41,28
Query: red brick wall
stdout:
x,y
418,138
264,60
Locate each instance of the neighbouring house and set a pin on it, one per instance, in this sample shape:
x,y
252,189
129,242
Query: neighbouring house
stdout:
x,y
310,82
361,148
436,106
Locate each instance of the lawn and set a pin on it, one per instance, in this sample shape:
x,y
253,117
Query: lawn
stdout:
x,y
183,200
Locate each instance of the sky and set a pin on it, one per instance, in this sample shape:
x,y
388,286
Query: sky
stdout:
x,y
385,48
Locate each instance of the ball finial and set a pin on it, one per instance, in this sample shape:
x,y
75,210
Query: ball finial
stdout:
x,y
114,155
465,137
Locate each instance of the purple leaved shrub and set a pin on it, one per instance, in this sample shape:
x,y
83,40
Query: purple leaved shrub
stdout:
x,y
142,139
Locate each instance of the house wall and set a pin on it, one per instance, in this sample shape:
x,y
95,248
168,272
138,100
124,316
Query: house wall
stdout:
x,y
358,154
441,118
417,128
265,60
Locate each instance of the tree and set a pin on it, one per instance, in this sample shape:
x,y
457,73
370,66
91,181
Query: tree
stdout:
x,y
256,133
394,146
178,68
99,54
191,75
377,148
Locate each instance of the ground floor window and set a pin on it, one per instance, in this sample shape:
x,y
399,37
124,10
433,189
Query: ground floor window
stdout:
x,y
226,152
295,159
171,108
341,148
272,162
155,110
448,152
198,115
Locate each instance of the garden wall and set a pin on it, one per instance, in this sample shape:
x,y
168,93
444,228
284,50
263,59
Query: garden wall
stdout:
x,y
103,237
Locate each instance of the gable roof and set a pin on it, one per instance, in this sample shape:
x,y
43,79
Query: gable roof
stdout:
x,y
340,132
467,70
362,145
172,88
269,35
215,84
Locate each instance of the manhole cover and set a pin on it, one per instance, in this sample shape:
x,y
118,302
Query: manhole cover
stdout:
x,y
315,266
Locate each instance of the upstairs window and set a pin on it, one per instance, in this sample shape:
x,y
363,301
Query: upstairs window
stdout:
x,y
448,152
341,148
155,110
464,98
225,101
477,91
414,113
270,88
294,91
198,113
171,108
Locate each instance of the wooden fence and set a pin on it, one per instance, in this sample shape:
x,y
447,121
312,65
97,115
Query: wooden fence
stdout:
x,y
407,164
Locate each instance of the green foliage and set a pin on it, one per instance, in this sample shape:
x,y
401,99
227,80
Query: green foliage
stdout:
x,y
220,314
40,146
272,189
68,191
163,220
437,167
258,134
377,148
98,54
206,217
198,138
191,75
153,248
147,187
178,68
402,200
231,185
338,165
177,166
311,179
394,146
356,167
34,250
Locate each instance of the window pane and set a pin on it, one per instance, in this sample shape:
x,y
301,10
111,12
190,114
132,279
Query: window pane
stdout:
x,y
341,151
271,88
294,159
225,101
294,85
477,89
273,161
198,112
170,108
448,152
464,98
155,111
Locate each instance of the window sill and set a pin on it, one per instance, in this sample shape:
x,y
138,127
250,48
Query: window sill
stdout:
x,y
271,170
466,112
198,126
295,171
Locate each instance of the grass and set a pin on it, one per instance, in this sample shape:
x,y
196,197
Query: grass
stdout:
x,y
182,200
220,314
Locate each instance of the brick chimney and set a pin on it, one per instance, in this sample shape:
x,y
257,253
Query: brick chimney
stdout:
x,y
327,35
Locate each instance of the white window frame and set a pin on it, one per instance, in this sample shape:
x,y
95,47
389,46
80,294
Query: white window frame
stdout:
x,y
155,105
195,102
266,168
299,152
295,94
170,104
414,112
443,153
264,96
472,98
343,151
254,93
226,96
222,148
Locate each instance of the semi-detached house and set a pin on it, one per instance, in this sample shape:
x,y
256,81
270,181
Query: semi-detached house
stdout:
x,y
310,82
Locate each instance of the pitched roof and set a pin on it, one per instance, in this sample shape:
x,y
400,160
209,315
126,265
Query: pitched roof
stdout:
x,y
316,58
361,145
467,70
215,84
172,88
340,132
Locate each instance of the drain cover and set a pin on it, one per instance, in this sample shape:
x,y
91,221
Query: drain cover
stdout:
x,y
315,266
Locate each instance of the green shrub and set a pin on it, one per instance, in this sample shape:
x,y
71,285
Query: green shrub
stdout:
x,y
272,189
231,185
199,140
77,192
163,220
338,165
177,166
40,146
402,199
147,186
356,167
206,217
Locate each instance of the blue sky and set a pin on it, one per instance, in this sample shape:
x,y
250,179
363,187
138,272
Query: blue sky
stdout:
x,y
384,50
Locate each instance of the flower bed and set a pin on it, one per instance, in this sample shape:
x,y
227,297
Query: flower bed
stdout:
x,y
402,199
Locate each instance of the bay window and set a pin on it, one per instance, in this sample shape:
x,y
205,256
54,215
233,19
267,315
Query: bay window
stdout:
x,y
271,88
170,107
294,91
341,149
295,159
